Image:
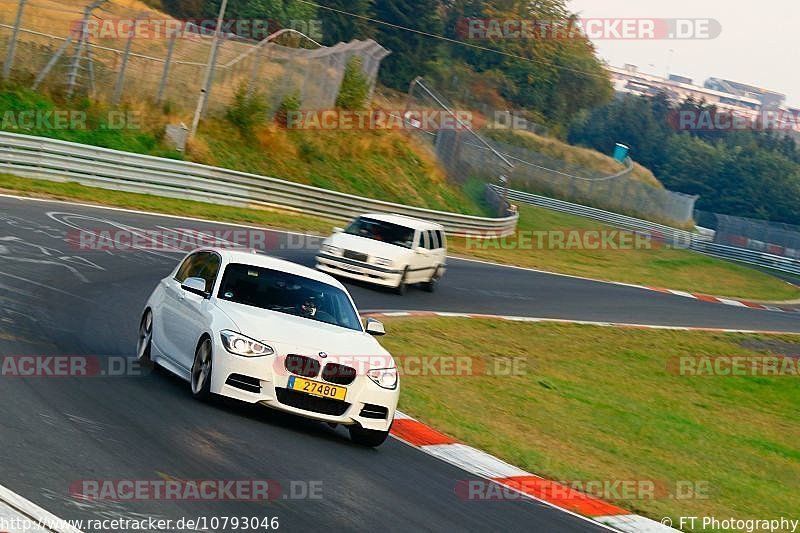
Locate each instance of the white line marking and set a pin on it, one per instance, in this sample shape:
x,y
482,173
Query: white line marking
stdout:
x,y
682,293
736,303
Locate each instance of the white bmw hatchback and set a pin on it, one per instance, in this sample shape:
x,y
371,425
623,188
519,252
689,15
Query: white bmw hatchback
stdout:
x,y
264,330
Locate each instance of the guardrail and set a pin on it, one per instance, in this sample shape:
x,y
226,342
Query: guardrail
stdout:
x,y
699,242
40,157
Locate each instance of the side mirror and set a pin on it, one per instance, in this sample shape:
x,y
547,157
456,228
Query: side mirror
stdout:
x,y
338,230
375,327
422,251
195,285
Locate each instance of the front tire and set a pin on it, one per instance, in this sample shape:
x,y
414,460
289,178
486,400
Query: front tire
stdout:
x,y
143,345
430,285
202,370
367,437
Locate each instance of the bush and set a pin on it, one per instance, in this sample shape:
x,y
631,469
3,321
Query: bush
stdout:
x,y
289,104
355,87
248,109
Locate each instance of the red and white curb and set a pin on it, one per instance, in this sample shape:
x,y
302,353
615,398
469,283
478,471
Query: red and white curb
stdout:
x,y
481,464
392,314
721,300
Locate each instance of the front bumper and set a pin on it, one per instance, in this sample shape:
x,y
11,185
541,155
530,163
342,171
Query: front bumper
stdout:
x,y
267,381
350,268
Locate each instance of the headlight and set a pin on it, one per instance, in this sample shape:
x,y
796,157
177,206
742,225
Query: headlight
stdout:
x,y
330,249
380,261
384,377
240,345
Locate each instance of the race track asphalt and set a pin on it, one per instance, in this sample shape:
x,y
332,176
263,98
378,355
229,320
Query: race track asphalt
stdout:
x,y
58,299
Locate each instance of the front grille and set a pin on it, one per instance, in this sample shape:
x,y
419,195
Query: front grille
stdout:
x,y
339,374
302,366
306,402
357,256
244,382
374,411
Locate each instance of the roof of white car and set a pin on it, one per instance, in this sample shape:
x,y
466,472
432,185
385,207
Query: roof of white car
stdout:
x,y
403,220
263,260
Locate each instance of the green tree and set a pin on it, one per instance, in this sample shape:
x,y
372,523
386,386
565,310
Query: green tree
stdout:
x,y
338,27
412,54
354,90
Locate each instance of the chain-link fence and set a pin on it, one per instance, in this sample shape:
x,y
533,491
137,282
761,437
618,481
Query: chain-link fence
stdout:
x,y
465,154
165,61
760,235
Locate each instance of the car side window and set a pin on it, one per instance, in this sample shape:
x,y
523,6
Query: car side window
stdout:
x,y
424,241
200,265
210,268
442,239
434,240
185,269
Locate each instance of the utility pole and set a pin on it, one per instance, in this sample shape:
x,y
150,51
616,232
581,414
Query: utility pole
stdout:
x,y
212,60
12,47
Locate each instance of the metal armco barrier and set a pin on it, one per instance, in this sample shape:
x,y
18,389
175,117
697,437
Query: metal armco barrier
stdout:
x,y
43,158
675,237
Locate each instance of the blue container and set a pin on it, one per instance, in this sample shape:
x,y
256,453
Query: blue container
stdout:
x,y
621,152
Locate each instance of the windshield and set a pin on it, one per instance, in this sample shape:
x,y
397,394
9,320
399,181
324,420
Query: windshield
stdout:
x,y
287,293
379,230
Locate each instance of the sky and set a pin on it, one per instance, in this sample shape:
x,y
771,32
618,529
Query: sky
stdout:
x,y
759,43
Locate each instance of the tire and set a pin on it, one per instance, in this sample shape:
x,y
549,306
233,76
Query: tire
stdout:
x,y
430,285
202,370
402,286
367,437
145,340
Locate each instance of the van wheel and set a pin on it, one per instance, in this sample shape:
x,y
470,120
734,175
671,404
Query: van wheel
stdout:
x,y
430,285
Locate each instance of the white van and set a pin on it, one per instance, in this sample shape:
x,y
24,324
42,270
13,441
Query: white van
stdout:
x,y
388,250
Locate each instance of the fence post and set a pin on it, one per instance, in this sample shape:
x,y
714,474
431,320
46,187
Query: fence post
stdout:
x,y
50,64
212,61
254,72
12,46
162,86
124,67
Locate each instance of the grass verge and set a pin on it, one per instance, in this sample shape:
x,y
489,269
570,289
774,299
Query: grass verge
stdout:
x,y
599,404
171,206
